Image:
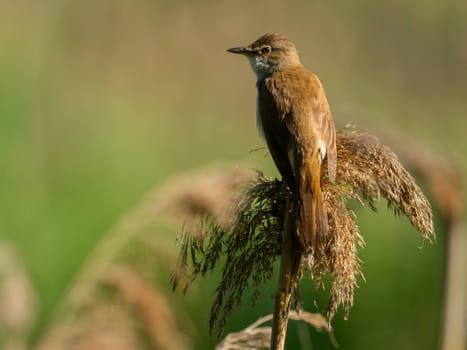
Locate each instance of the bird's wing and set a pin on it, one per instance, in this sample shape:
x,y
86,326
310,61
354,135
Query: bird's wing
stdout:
x,y
275,132
298,100
324,125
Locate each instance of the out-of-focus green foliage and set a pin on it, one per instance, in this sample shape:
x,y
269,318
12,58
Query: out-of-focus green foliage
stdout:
x,y
100,101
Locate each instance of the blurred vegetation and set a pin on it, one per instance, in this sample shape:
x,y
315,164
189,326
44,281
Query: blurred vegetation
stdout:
x,y
101,101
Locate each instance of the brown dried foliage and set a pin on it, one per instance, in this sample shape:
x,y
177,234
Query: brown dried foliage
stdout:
x,y
251,243
250,246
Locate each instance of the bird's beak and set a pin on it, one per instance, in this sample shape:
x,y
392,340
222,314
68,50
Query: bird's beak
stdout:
x,y
240,50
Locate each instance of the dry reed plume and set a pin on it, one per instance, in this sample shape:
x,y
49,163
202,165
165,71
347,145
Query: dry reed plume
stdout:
x,y
251,243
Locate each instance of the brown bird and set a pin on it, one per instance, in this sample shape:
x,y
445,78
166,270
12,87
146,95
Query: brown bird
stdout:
x,y
293,116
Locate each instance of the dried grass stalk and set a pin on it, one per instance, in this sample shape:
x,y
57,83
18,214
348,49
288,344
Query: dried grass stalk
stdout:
x,y
18,309
256,336
252,242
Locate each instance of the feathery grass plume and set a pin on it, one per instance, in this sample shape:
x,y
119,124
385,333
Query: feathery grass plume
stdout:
x,y
366,171
251,243
374,170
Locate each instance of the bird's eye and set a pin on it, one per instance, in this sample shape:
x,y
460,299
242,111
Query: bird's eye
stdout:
x,y
265,50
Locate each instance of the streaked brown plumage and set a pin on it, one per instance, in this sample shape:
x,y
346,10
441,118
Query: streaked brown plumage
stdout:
x,y
294,117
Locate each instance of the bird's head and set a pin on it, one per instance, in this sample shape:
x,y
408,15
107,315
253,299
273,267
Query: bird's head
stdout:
x,y
268,53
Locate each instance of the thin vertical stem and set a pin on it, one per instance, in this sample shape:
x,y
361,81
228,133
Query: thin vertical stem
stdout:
x,y
454,317
289,267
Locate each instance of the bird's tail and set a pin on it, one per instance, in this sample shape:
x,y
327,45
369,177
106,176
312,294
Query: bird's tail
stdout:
x,y
313,219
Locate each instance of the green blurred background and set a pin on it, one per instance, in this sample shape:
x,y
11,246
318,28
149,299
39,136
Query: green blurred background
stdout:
x,y
101,101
